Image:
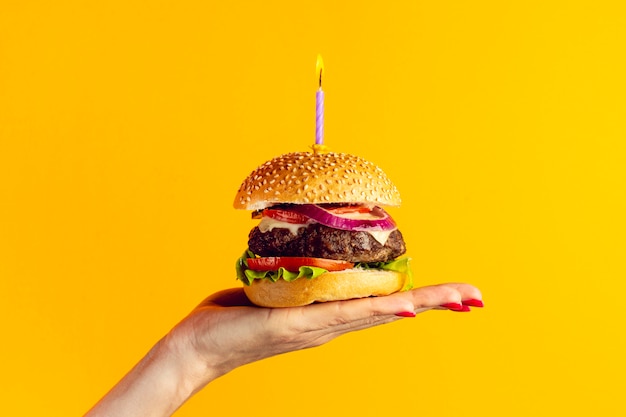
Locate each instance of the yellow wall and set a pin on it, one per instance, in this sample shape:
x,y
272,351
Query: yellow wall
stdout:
x,y
126,128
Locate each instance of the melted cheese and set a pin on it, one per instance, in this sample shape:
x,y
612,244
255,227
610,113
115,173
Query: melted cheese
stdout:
x,y
381,236
267,224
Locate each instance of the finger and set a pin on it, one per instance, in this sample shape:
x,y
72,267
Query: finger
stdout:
x,y
467,291
436,295
227,298
470,296
324,335
453,296
366,312
325,321
422,299
353,312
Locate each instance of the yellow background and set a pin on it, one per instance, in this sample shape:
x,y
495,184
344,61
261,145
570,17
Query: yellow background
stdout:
x,y
126,127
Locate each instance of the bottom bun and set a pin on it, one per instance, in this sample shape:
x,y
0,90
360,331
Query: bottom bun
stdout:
x,y
331,286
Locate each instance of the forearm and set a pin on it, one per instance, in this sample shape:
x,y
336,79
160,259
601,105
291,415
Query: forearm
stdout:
x,y
157,386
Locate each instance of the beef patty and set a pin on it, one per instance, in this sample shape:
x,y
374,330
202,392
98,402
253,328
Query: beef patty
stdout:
x,y
319,241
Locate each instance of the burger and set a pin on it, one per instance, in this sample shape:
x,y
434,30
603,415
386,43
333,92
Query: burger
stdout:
x,y
323,234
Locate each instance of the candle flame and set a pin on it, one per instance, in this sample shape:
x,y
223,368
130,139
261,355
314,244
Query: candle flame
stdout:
x,y
319,69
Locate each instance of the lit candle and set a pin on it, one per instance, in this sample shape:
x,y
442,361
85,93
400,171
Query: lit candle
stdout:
x,y
319,104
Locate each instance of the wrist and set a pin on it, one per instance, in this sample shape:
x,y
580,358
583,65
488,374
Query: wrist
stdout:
x,y
157,386
191,369
170,366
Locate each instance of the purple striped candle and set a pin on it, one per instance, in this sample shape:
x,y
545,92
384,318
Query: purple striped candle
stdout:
x,y
319,104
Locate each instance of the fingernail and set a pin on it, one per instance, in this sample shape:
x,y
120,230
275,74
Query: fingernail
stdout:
x,y
472,302
453,306
405,314
463,309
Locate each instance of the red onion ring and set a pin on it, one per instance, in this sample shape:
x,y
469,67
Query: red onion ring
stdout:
x,y
325,217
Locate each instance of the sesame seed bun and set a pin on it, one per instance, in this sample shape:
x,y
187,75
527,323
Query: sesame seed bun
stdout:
x,y
330,286
316,178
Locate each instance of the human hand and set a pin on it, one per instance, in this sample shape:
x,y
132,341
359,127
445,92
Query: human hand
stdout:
x,y
226,331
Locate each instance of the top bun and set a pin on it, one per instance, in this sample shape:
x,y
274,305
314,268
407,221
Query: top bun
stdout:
x,y
315,178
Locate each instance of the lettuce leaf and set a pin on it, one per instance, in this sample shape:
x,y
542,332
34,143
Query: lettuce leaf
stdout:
x,y
247,276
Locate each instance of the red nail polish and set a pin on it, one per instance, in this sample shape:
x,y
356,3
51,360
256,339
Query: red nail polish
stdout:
x,y
405,314
473,303
453,306
462,309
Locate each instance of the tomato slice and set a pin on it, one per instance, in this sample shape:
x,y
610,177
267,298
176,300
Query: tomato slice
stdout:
x,y
286,216
349,209
293,263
